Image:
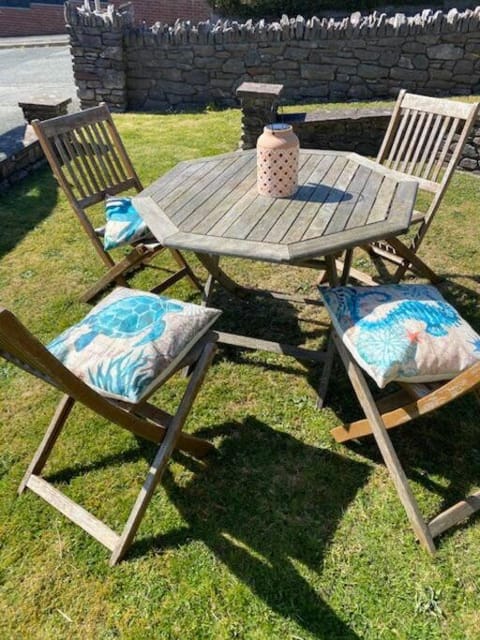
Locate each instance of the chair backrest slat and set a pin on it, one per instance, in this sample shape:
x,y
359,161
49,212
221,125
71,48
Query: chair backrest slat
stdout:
x,y
442,154
76,158
418,148
83,151
433,156
406,145
68,165
103,150
429,142
97,156
111,159
413,144
397,141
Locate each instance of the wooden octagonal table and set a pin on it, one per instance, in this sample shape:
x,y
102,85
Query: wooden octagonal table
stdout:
x,y
211,206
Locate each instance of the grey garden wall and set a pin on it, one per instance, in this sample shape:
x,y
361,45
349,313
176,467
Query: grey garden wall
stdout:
x,y
187,65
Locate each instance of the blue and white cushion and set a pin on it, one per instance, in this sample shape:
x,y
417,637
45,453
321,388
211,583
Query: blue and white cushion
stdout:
x,y
407,333
131,341
124,224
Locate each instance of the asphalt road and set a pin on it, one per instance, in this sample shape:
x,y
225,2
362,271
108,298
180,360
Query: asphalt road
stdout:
x,y
26,73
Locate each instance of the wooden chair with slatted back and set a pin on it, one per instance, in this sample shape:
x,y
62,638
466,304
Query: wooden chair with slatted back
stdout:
x,y
424,139
20,347
408,402
89,162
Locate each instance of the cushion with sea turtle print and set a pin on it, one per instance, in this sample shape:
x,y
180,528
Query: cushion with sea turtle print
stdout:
x,y
130,342
402,332
124,224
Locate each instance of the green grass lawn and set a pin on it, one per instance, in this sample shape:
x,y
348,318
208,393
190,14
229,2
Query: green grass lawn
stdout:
x,y
281,533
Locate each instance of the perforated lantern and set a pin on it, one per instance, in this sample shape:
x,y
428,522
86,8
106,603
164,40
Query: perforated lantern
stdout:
x,y
277,161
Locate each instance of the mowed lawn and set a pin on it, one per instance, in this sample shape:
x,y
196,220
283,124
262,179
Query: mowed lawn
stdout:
x,y
281,533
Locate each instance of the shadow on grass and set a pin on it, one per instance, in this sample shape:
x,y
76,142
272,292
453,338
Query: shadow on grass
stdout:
x,y
260,316
267,506
24,206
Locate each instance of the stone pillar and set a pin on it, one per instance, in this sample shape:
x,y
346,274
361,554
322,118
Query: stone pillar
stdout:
x,y
44,107
97,47
259,102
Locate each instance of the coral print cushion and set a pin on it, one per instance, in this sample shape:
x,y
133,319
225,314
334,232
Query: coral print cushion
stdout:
x,y
402,332
123,223
131,341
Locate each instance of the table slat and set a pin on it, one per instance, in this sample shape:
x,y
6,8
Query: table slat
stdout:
x,y
213,179
251,216
339,178
221,200
381,206
318,195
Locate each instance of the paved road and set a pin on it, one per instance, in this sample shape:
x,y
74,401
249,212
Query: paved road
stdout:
x,y
25,73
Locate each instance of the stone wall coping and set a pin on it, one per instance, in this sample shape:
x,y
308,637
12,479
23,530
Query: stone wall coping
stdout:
x,y
336,115
259,89
355,26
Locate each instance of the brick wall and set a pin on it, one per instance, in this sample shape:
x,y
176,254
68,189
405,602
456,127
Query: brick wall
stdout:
x,y
46,19
167,11
37,20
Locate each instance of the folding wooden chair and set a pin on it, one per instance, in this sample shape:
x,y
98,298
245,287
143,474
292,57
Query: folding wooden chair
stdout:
x,y
424,139
20,347
413,400
89,162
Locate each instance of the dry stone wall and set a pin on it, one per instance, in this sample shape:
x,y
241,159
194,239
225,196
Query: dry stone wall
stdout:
x,y
189,65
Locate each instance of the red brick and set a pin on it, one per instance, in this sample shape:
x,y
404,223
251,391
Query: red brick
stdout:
x,y
48,19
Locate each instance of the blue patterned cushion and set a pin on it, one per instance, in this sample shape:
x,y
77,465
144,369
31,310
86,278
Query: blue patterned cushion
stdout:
x,y
402,332
131,341
124,224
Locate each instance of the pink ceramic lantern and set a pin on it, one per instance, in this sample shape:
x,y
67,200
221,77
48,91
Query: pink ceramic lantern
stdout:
x,y
277,161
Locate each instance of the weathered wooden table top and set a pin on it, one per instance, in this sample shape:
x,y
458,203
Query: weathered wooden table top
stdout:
x,y
211,205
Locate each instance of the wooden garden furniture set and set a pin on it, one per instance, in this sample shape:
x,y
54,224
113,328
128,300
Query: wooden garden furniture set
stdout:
x,y
210,206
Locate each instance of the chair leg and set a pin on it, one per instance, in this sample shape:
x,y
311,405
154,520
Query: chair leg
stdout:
x,y
160,461
332,277
116,274
40,458
326,372
389,454
413,262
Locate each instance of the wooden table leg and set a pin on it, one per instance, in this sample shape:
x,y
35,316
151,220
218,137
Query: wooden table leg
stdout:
x,y
332,274
211,264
